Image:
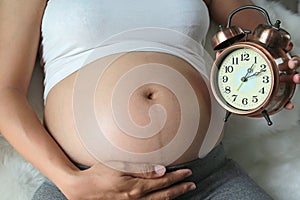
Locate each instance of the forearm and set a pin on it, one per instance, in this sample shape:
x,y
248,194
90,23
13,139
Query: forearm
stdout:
x,y
247,19
20,34
22,128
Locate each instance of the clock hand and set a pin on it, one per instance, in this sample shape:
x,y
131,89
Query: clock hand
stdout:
x,y
239,86
256,73
249,70
245,78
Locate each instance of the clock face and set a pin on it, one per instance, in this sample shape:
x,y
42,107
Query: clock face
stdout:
x,y
244,79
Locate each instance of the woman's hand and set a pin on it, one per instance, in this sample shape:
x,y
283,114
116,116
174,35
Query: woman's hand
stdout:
x,y
294,64
102,182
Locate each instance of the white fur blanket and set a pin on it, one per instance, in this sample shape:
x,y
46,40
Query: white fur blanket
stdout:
x,y
271,155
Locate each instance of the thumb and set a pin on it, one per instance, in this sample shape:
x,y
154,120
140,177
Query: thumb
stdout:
x,y
141,170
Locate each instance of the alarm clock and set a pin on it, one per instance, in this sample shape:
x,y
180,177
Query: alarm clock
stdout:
x,y
249,76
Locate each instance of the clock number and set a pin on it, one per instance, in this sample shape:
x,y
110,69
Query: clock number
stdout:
x,y
245,57
255,60
263,66
266,79
225,79
235,60
234,97
262,90
254,99
228,69
244,101
227,89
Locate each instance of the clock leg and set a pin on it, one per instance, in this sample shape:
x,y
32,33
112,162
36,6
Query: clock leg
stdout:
x,y
267,117
227,116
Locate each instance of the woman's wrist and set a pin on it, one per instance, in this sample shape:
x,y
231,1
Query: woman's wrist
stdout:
x,y
66,178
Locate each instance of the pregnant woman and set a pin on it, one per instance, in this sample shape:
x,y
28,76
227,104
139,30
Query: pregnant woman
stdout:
x,y
128,109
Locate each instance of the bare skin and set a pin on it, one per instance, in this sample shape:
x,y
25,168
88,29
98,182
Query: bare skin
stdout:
x,y
20,22
59,112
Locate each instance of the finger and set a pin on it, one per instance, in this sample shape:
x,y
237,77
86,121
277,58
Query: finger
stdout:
x,y
172,192
290,78
150,185
296,78
141,187
289,106
294,63
141,170
150,171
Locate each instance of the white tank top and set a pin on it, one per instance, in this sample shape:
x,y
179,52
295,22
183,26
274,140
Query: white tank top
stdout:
x,y
72,30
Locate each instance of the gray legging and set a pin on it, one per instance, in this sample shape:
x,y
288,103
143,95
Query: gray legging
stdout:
x,y
216,177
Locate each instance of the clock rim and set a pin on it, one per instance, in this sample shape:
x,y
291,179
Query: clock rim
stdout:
x,y
274,75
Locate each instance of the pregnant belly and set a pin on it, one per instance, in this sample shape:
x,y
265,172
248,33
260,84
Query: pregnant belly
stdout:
x,y
141,107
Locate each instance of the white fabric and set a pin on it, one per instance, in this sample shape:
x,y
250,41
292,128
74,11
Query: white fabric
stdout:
x,y
72,29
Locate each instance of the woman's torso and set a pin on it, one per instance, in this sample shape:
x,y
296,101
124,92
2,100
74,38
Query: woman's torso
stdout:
x,y
139,106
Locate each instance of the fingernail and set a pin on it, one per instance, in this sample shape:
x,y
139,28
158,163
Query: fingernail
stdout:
x,y
160,170
188,172
192,187
296,62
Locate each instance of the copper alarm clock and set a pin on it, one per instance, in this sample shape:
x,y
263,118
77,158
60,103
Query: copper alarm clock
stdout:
x,y
247,78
